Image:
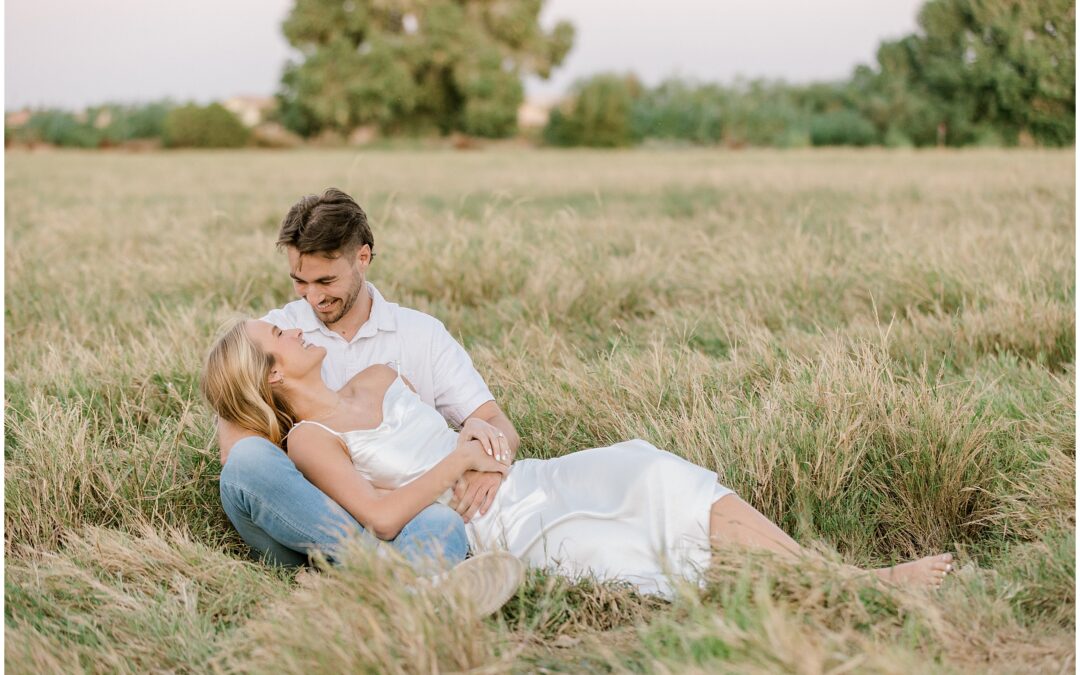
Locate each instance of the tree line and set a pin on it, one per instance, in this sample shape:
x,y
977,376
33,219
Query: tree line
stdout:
x,y
975,72
160,123
982,72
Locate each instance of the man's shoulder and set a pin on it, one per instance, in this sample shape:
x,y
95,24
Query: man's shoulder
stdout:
x,y
415,319
422,330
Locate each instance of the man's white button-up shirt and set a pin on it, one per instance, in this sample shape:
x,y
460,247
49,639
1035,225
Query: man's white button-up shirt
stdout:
x,y
433,361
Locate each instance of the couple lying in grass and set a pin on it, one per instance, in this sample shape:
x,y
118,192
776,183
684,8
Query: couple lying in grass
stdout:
x,y
334,414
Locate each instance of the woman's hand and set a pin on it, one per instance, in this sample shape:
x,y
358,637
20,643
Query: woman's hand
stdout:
x,y
477,457
488,435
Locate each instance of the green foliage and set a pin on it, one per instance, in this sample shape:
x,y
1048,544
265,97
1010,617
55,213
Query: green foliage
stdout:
x,y
127,123
599,113
765,113
59,128
678,110
561,129
842,127
98,126
491,95
203,127
414,66
978,71
611,110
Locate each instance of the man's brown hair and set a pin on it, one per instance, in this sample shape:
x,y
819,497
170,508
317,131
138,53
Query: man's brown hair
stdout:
x,y
330,224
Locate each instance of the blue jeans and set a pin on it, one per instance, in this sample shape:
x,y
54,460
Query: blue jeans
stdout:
x,y
283,517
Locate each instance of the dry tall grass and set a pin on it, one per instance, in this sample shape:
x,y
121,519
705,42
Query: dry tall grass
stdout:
x,y
876,349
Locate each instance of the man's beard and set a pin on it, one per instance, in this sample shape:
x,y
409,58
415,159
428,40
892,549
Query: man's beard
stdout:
x,y
346,303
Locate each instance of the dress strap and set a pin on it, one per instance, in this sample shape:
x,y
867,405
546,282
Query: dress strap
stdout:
x,y
316,424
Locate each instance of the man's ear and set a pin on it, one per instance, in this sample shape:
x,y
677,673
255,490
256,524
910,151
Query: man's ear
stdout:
x,y
364,255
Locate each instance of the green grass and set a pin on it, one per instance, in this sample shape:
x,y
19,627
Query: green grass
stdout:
x,y
875,349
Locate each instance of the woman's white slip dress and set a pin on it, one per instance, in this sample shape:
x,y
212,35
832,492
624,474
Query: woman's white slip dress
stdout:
x,y
628,511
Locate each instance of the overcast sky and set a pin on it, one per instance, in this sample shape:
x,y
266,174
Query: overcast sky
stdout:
x,y
70,53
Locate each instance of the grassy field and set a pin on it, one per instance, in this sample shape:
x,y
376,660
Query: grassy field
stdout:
x,y
875,349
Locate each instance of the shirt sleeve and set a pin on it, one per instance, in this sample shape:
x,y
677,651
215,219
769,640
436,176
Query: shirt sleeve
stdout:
x,y
458,388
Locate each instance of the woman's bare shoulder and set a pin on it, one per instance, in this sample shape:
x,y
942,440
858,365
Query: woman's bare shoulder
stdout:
x,y
312,435
375,376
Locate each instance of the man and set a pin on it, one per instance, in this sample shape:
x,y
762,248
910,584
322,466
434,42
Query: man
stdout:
x,y
275,509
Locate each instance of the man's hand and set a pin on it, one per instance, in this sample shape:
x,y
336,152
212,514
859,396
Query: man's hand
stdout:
x,y
493,416
474,493
489,435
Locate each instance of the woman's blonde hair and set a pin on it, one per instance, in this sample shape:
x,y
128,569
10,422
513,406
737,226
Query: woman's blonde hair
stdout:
x,y
236,384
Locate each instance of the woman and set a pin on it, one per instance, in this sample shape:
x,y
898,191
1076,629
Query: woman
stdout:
x,y
627,511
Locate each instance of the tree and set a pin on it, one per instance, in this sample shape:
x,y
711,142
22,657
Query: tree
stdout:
x,y
598,113
976,67
896,99
680,110
198,127
415,65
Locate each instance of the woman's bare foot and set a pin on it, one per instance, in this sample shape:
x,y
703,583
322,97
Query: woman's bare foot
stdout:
x,y
926,572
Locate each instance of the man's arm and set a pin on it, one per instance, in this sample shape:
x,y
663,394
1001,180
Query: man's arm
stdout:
x,y
460,394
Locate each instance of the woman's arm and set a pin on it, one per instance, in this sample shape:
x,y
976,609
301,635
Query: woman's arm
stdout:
x,y
324,461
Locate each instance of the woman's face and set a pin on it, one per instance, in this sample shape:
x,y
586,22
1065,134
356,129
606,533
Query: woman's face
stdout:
x,y
293,357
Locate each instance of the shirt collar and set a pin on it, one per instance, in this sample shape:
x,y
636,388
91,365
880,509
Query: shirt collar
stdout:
x,y
382,317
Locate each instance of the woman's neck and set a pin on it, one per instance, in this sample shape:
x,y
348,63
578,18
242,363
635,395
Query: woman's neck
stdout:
x,y
311,399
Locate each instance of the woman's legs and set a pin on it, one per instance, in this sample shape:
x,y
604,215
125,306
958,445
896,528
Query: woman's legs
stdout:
x,y
733,521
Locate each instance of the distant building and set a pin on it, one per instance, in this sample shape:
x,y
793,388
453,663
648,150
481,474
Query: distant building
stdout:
x,y
103,119
251,110
533,113
14,120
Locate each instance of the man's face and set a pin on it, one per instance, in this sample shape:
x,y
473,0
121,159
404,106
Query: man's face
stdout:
x,y
330,285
